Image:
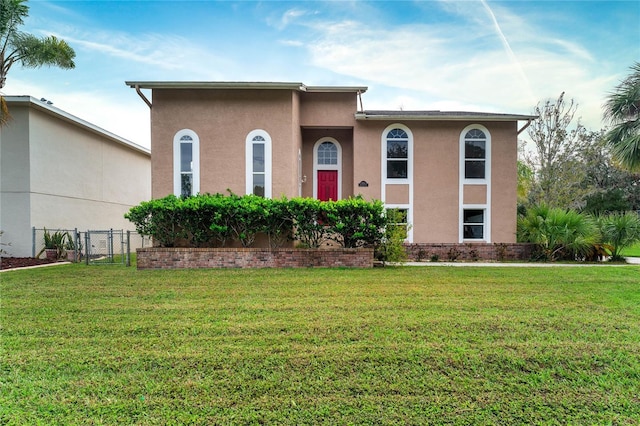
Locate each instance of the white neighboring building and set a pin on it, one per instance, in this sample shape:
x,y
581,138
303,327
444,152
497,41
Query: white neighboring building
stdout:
x,y
61,172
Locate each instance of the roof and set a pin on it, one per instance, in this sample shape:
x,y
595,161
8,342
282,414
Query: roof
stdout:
x,y
441,115
48,108
220,85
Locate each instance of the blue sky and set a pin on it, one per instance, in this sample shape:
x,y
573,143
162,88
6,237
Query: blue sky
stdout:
x,y
472,55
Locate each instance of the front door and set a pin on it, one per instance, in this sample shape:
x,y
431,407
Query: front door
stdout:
x,y
327,185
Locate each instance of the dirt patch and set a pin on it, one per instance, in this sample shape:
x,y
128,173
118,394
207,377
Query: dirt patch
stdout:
x,y
21,262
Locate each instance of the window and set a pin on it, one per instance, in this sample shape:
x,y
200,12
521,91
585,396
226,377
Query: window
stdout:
x,y
327,153
397,145
475,154
399,218
186,164
473,224
258,163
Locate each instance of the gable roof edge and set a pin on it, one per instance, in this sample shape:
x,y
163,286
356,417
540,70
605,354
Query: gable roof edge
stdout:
x,y
70,118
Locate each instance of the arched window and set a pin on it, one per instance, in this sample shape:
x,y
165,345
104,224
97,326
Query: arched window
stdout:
x,y
475,170
397,170
258,163
327,153
186,163
475,154
397,154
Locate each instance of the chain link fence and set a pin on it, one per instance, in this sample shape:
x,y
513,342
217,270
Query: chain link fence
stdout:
x,y
93,247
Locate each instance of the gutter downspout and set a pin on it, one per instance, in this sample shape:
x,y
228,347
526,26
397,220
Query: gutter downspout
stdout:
x,y
360,99
519,131
144,98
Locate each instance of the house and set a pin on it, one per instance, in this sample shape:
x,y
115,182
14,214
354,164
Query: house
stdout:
x,y
61,172
452,173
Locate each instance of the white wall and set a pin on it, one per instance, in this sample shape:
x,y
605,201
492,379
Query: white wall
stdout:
x,y
60,173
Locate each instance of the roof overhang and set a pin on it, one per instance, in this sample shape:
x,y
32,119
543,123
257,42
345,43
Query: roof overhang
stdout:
x,y
238,85
439,116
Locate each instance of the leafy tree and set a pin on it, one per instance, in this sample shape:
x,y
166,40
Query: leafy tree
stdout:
x,y
26,49
610,187
622,110
526,177
559,171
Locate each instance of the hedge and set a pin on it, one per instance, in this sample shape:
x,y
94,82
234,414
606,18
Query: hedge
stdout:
x,y
214,220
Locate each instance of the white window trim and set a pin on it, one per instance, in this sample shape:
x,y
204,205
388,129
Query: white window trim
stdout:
x,y
408,181
249,162
409,210
177,182
486,223
487,159
383,155
486,181
321,167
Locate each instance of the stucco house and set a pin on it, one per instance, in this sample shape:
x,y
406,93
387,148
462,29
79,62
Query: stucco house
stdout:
x,y
61,172
453,173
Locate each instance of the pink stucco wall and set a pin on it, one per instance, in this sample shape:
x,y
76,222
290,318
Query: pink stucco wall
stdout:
x,y
297,120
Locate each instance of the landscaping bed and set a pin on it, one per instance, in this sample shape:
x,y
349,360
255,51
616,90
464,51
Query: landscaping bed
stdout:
x,y
22,262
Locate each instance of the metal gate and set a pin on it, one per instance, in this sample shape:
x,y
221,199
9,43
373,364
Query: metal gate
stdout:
x,y
95,247
105,247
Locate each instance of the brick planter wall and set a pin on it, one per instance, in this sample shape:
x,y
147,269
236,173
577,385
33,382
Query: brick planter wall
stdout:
x,y
175,258
469,252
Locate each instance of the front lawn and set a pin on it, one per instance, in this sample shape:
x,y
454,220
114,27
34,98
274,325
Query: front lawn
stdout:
x,y
633,251
428,345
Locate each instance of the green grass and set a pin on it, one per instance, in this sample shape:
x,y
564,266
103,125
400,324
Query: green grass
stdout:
x,y
431,345
633,251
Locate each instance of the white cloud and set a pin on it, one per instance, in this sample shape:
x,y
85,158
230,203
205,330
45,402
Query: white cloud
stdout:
x,y
120,112
508,69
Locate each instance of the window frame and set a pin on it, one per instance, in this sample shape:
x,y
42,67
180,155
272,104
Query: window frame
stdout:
x,y
409,218
483,224
195,162
487,156
408,181
386,159
268,169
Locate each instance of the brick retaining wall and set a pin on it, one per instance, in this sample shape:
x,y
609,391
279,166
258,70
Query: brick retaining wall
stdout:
x,y
175,258
424,252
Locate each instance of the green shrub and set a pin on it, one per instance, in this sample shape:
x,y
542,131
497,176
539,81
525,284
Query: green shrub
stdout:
x,y
355,222
207,220
620,230
558,234
310,221
391,247
160,219
279,223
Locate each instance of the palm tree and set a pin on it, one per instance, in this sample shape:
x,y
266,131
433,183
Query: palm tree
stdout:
x,y
622,110
26,49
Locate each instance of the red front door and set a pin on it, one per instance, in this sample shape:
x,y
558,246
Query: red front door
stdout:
x,y
327,185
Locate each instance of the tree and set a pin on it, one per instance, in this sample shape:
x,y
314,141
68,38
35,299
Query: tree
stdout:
x,y
26,49
525,181
559,171
611,188
622,110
